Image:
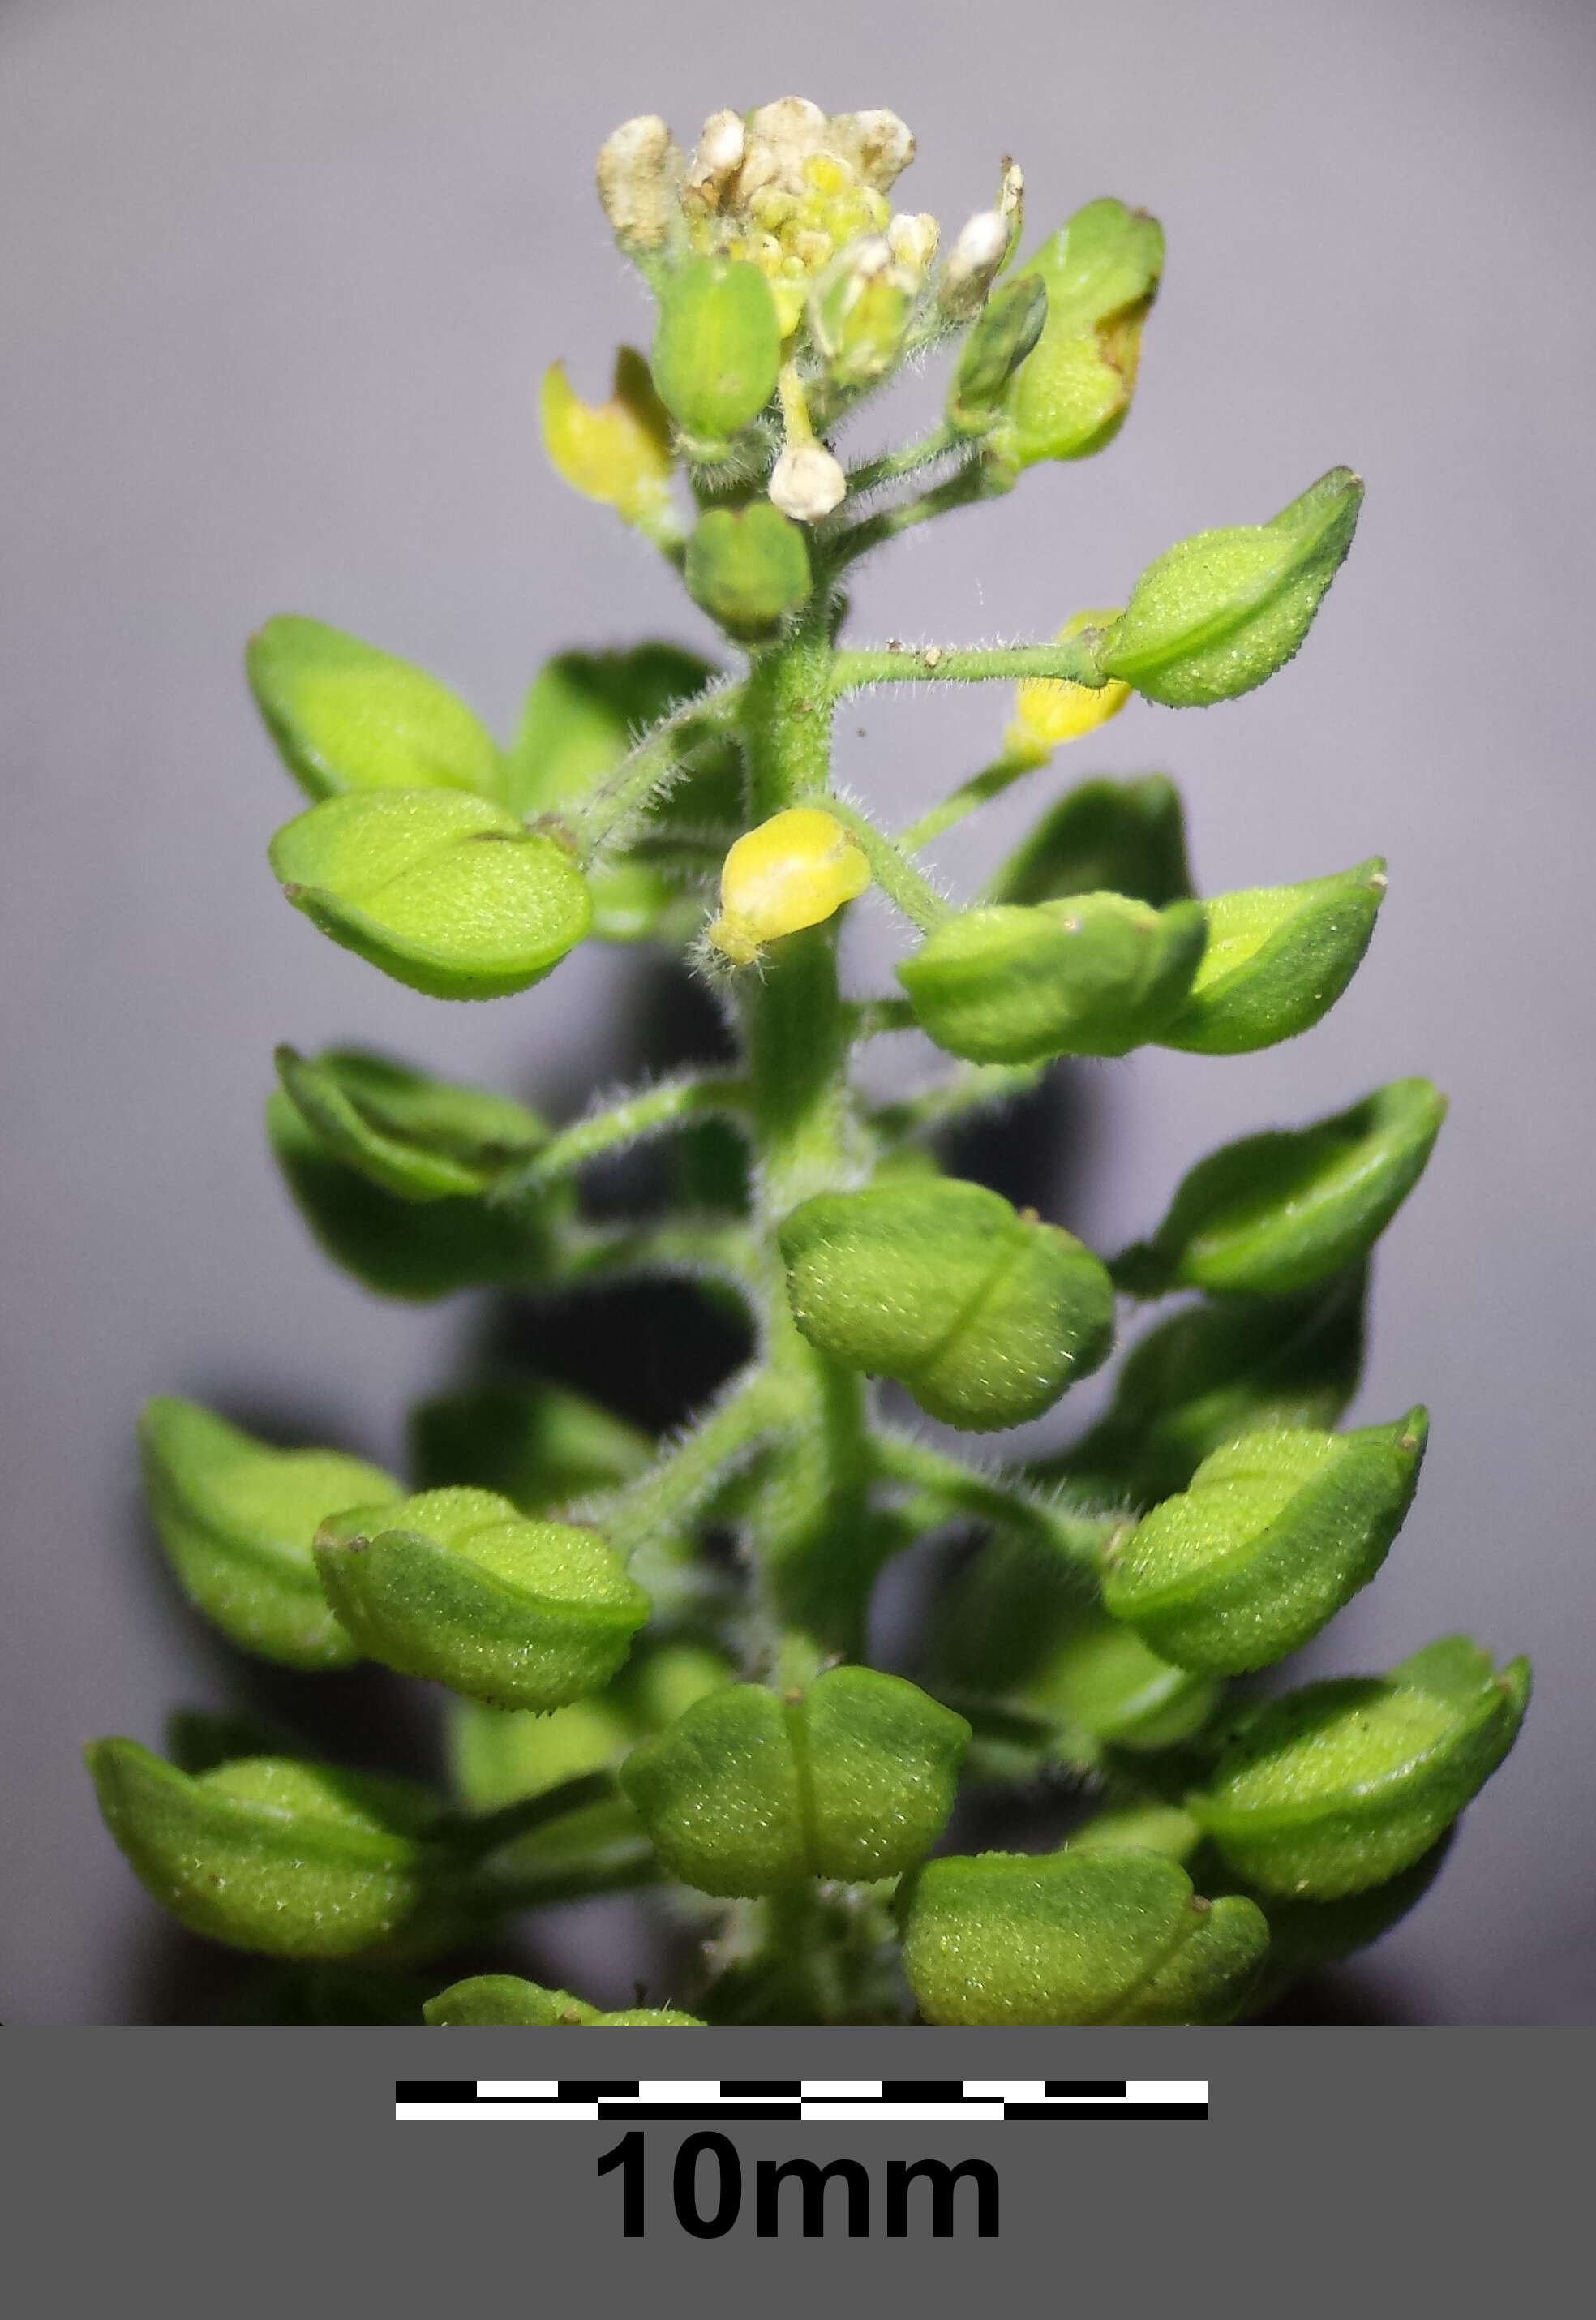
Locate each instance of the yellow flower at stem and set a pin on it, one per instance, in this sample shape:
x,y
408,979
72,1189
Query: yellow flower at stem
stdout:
x,y
793,871
1050,711
617,452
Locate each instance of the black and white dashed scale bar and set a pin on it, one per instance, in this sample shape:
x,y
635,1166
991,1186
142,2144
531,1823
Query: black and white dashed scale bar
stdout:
x,y
574,2101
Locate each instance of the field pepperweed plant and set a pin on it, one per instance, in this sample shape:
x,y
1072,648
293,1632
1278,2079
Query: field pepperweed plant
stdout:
x,y
632,1705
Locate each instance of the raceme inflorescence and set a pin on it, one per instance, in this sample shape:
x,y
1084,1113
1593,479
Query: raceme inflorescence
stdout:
x,y
655,1650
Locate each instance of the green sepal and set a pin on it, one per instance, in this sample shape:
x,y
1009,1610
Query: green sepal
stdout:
x,y
716,349
998,340
272,1854
1211,1372
1104,836
347,717
1342,1785
401,1247
748,1792
541,1446
1087,974
1276,959
1279,1213
503,1999
449,894
986,1315
417,1137
1221,612
1101,271
454,1584
1110,1935
237,1517
1278,1530
747,568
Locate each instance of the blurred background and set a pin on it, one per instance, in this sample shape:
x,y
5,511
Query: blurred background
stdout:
x,y
277,283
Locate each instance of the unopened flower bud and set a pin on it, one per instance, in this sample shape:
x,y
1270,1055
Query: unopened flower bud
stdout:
x,y
879,145
912,236
1010,199
716,159
859,310
639,169
808,483
795,870
717,348
973,264
999,341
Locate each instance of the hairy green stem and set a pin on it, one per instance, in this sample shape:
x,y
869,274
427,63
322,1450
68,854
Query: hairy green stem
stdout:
x,y
996,1497
601,815
989,783
897,878
627,1120
1068,657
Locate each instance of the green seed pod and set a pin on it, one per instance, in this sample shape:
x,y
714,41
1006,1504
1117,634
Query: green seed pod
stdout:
x,y
541,1446
1107,1684
1276,959
401,1247
1277,1531
456,1585
746,567
1000,337
449,894
1019,1626
1342,1785
347,717
1222,612
1215,1370
1075,1937
494,2000
1101,272
986,1315
269,1854
1103,837
1087,974
854,1779
717,350
499,1755
237,1518
1279,1212
1306,1934
416,1137
1140,1828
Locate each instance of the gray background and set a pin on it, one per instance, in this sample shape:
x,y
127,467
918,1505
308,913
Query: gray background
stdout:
x,y
276,287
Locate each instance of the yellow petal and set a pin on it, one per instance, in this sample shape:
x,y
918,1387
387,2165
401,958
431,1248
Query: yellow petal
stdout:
x,y
1049,711
793,871
619,451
